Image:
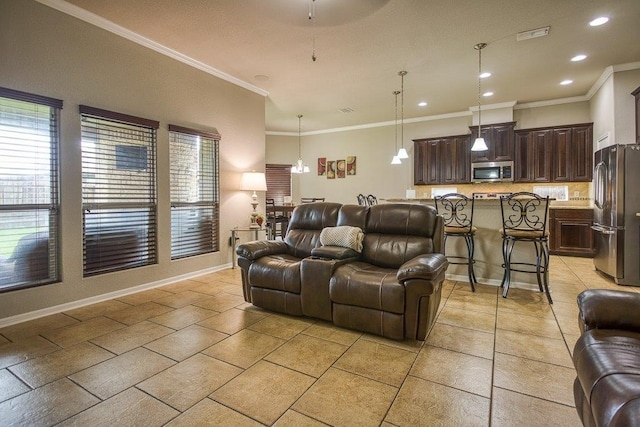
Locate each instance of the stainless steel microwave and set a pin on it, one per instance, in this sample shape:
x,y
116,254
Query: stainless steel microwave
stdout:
x,y
492,172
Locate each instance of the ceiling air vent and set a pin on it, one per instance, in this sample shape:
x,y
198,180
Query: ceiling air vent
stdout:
x,y
346,110
532,34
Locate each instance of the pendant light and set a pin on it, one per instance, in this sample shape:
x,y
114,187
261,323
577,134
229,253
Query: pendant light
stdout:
x,y
402,153
299,167
479,144
396,159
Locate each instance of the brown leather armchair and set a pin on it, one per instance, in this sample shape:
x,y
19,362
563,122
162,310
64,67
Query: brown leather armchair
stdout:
x,y
607,358
392,288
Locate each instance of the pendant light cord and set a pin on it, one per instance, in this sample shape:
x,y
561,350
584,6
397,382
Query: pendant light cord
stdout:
x,y
312,18
396,93
479,48
402,74
299,137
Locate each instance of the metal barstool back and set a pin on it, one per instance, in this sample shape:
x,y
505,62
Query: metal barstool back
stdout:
x,y
524,219
372,200
456,211
362,201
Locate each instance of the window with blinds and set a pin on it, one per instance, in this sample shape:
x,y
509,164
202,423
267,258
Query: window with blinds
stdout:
x,y
194,192
278,182
118,191
29,200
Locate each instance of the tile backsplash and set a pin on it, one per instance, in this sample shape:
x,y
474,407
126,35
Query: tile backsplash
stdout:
x,y
579,193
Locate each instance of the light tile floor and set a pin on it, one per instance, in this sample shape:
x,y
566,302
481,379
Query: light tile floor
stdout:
x,y
194,353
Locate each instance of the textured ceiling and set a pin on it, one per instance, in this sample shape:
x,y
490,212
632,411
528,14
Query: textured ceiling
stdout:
x,y
362,44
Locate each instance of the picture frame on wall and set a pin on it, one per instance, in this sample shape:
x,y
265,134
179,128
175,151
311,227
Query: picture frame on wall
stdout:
x,y
340,168
322,166
331,169
351,165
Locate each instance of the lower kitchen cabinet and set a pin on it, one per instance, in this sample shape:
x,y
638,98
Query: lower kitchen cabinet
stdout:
x,y
570,232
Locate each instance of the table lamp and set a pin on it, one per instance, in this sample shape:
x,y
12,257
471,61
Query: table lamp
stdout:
x,y
253,181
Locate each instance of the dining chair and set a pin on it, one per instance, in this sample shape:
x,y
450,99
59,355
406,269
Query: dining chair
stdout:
x,y
275,219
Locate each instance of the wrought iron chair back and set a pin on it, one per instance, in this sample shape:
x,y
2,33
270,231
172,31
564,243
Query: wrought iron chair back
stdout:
x,y
456,210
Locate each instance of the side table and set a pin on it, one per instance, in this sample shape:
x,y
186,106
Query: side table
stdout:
x,y
234,239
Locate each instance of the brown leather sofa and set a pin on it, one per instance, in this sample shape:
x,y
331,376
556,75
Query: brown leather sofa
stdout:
x,y
391,288
607,358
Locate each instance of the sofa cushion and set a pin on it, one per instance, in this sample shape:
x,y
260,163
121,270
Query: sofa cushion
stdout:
x,y
278,272
344,236
396,233
364,285
607,362
305,225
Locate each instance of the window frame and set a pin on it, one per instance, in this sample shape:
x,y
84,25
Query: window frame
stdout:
x,y
195,242
124,231
52,246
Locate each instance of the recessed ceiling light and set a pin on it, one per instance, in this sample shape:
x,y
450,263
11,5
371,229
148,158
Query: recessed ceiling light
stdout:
x,y
599,21
261,77
346,110
566,82
487,94
422,104
485,75
579,58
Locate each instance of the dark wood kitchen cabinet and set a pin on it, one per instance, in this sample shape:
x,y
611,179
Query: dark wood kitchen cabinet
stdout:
x,y
499,140
445,160
554,154
572,154
532,155
570,232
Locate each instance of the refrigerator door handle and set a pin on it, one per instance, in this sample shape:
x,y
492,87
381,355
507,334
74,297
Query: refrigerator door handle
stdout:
x,y
601,191
602,230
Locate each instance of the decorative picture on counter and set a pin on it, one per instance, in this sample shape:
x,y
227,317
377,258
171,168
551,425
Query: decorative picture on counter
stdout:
x,y
322,166
331,169
351,165
341,166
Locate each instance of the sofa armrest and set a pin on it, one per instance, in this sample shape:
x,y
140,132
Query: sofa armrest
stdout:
x,y
609,309
334,252
260,248
426,267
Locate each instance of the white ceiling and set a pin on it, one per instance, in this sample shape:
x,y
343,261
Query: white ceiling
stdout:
x,y
361,45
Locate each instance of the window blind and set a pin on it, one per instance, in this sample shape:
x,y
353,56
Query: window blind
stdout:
x,y
195,223
118,191
278,182
29,198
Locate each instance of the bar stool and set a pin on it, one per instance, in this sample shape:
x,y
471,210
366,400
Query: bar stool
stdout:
x,y
456,211
524,219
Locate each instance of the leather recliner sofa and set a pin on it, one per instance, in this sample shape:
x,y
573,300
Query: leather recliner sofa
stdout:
x,y
392,287
607,358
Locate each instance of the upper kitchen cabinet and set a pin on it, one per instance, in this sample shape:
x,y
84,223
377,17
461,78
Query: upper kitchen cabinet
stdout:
x,y
636,94
445,160
572,153
532,162
499,138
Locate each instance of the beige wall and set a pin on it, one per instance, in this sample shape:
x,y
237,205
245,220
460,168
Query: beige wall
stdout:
x,y
624,83
46,52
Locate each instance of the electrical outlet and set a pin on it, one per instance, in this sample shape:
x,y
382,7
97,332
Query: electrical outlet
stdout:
x,y
576,194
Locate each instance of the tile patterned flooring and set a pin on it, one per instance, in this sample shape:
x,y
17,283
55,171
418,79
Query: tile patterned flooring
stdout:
x,y
194,353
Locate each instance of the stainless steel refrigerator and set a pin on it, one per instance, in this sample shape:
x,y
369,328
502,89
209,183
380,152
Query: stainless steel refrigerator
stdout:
x,y
617,206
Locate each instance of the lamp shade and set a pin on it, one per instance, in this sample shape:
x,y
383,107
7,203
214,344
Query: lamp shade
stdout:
x,y
479,145
402,153
253,181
